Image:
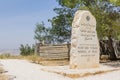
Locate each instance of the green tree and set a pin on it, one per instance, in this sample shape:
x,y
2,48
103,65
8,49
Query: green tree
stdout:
x,y
106,18
26,50
61,24
73,3
115,2
103,11
42,33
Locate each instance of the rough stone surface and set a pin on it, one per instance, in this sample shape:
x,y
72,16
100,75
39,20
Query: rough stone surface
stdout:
x,y
75,73
84,42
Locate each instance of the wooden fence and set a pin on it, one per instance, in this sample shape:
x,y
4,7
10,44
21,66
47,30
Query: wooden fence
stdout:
x,y
54,51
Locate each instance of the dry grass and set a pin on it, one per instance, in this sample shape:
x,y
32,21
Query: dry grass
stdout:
x,y
9,56
37,59
2,76
33,58
46,62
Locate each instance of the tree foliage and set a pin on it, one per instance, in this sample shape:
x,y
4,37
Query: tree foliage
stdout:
x,y
26,50
115,2
61,24
106,15
73,3
42,33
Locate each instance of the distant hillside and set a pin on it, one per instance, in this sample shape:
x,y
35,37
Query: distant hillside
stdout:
x,y
10,51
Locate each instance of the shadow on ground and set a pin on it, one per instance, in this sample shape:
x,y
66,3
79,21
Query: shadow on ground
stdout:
x,y
115,64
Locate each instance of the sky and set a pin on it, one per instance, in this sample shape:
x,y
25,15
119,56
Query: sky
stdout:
x,y
18,20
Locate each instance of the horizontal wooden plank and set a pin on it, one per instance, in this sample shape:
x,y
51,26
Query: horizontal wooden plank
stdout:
x,y
53,48
55,45
50,53
53,54
54,51
54,57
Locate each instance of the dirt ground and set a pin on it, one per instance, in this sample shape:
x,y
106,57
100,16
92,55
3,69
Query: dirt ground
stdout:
x,y
24,70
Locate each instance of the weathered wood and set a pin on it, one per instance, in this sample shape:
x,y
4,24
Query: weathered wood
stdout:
x,y
60,51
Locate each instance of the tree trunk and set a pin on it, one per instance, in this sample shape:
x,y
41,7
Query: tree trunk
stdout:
x,y
112,52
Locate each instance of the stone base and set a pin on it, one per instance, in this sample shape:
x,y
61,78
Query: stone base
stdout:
x,y
77,73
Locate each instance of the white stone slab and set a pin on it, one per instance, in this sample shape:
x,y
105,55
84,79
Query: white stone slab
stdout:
x,y
84,42
75,73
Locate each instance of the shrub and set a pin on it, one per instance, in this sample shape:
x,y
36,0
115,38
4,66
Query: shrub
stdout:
x,y
26,50
5,56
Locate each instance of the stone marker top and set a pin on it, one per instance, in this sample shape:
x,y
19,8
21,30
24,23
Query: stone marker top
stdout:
x,y
86,17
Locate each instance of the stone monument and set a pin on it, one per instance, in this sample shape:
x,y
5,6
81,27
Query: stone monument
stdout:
x,y
84,41
84,54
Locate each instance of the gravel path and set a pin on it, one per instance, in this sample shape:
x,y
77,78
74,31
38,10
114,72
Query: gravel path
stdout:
x,y
24,70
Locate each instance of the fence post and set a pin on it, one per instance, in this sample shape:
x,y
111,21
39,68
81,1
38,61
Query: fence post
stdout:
x,y
68,46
